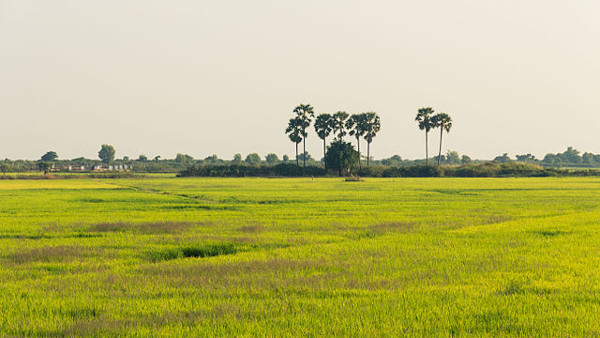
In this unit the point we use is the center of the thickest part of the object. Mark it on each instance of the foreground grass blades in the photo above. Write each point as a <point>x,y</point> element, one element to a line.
<point>214,257</point>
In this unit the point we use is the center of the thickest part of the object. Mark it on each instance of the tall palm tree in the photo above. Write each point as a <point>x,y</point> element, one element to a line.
<point>444,122</point>
<point>339,124</point>
<point>305,113</point>
<point>294,129</point>
<point>356,126</point>
<point>323,127</point>
<point>372,127</point>
<point>424,116</point>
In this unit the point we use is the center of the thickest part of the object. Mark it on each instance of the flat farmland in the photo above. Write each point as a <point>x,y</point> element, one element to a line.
<point>302,257</point>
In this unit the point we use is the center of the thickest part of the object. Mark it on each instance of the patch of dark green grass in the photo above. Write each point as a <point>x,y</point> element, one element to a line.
<point>23,236</point>
<point>550,233</point>
<point>252,228</point>
<point>92,200</point>
<point>197,207</point>
<point>452,192</point>
<point>82,313</point>
<point>55,269</point>
<point>513,288</point>
<point>196,251</point>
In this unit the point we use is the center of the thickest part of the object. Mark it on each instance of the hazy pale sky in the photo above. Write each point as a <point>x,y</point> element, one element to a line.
<point>205,77</point>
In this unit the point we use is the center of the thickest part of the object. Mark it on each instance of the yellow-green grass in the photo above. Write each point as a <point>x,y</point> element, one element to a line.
<point>301,257</point>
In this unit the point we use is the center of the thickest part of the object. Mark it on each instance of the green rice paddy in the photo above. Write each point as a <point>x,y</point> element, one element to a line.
<point>300,257</point>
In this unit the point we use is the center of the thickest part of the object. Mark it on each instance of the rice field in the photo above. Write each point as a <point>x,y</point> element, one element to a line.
<point>300,257</point>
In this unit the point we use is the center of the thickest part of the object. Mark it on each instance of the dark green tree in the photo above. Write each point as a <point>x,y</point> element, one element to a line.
<point>253,159</point>
<point>341,156</point>
<point>305,157</point>
<point>356,125</point>
<point>305,114</point>
<point>323,126</point>
<point>503,159</point>
<point>452,157</point>
<point>372,127</point>
<point>142,158</point>
<point>50,156</point>
<point>526,158</point>
<point>294,131</point>
<point>588,159</point>
<point>286,158</point>
<point>237,158</point>
<point>395,160</point>
<point>424,116</point>
<point>45,166</point>
<point>4,168</point>
<point>107,153</point>
<point>444,122</point>
<point>212,159</point>
<point>465,159</point>
<point>183,158</point>
<point>571,155</point>
<point>272,158</point>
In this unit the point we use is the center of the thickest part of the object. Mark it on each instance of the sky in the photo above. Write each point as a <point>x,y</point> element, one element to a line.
<point>222,77</point>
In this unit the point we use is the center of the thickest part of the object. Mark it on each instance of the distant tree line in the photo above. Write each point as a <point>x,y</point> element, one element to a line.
<point>486,169</point>
<point>339,157</point>
<point>569,158</point>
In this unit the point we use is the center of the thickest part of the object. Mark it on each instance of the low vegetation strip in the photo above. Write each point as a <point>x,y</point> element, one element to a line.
<point>490,169</point>
<point>66,176</point>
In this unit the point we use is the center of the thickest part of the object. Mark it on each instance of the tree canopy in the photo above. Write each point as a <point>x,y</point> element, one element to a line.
<point>341,156</point>
<point>49,156</point>
<point>107,153</point>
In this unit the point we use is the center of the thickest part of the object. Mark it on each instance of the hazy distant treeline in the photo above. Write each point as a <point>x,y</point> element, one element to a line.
<point>571,158</point>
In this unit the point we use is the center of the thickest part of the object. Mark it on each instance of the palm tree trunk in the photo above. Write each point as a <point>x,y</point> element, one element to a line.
<point>440,154</point>
<point>426,148</point>
<point>368,152</point>
<point>297,154</point>
<point>324,154</point>
<point>358,146</point>
<point>304,153</point>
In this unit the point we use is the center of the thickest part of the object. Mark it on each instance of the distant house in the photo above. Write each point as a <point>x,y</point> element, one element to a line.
<point>120,167</point>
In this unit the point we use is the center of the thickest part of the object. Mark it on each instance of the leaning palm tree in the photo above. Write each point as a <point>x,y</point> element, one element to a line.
<point>424,116</point>
<point>294,131</point>
<point>356,126</point>
<point>323,127</point>
<point>338,124</point>
<point>372,127</point>
<point>305,113</point>
<point>444,122</point>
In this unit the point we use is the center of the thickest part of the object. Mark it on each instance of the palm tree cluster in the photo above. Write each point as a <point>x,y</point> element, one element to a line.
<point>428,120</point>
<point>340,124</point>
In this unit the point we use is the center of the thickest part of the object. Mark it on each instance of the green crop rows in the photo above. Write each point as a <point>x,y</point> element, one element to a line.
<point>301,257</point>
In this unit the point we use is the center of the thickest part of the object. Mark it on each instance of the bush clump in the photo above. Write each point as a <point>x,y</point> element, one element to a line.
<point>488,169</point>
<point>240,170</point>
